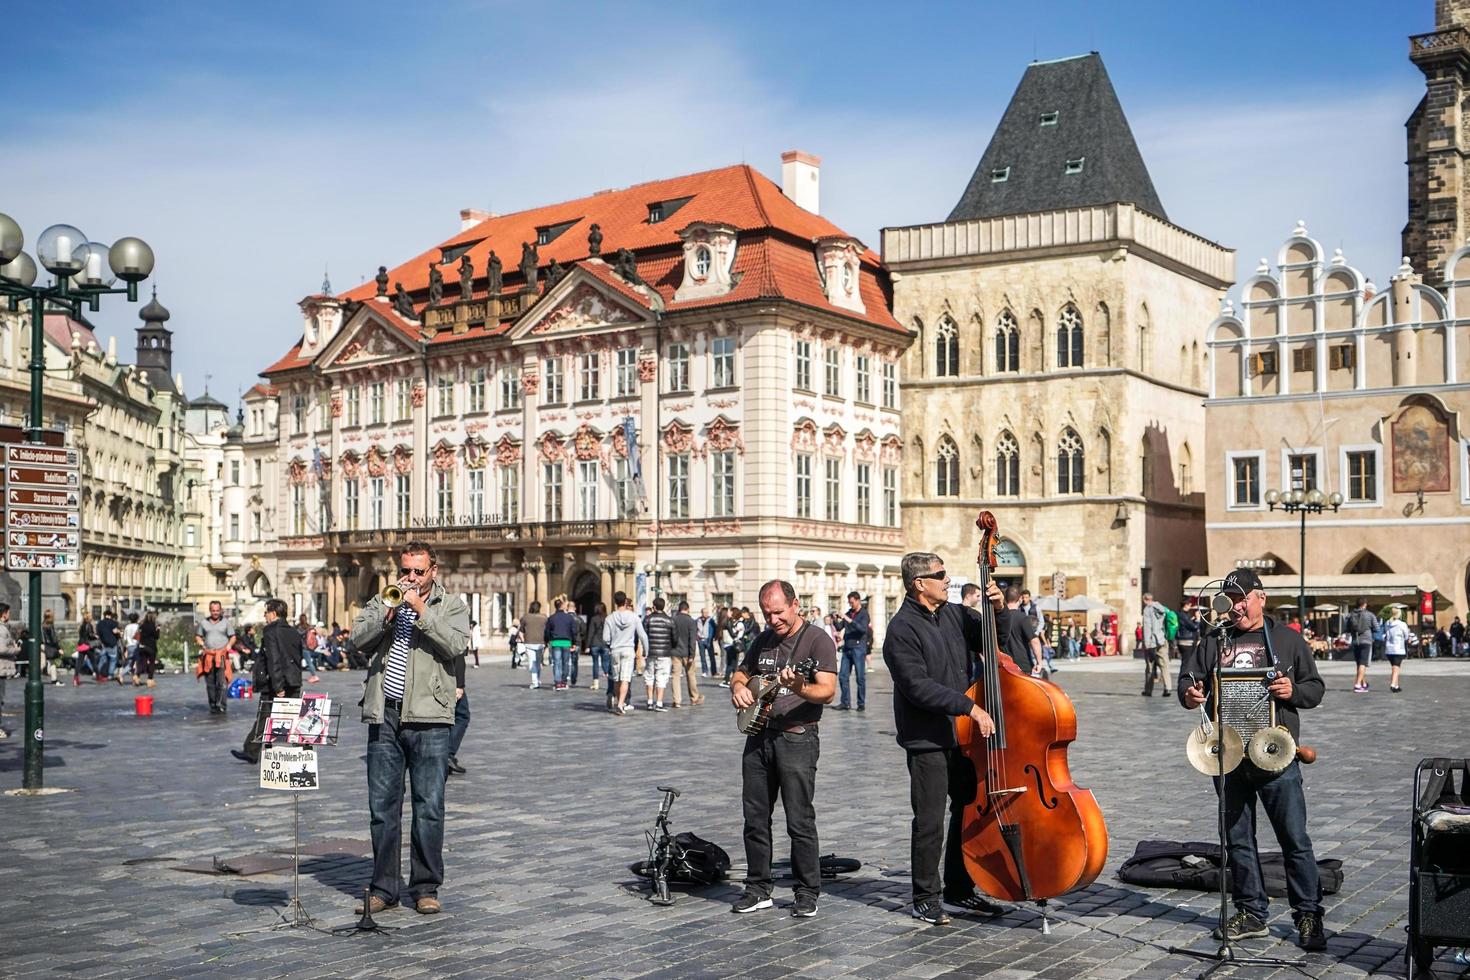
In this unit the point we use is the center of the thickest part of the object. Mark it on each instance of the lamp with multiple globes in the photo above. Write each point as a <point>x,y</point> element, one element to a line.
<point>1303,502</point>
<point>83,272</point>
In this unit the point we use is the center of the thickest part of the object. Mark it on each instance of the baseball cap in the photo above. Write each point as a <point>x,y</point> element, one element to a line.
<point>1242,581</point>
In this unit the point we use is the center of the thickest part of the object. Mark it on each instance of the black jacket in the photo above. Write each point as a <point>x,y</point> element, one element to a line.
<point>1293,658</point>
<point>686,636</point>
<point>928,655</point>
<point>278,662</point>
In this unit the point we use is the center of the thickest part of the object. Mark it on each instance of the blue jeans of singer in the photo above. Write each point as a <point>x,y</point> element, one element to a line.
<point>422,751</point>
<point>854,657</point>
<point>560,664</point>
<point>1281,796</point>
<point>601,661</point>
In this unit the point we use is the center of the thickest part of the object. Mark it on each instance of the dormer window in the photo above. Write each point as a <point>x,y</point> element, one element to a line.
<point>655,213</point>
<point>1000,176</point>
<point>547,234</point>
<point>1049,118</point>
<point>543,236</point>
<point>1074,166</point>
<point>847,277</point>
<point>838,259</point>
<point>709,260</point>
<point>664,210</point>
<point>702,259</point>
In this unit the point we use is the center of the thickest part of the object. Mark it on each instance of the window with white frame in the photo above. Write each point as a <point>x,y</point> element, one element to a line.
<point>474,484</point>
<point>350,505</point>
<point>722,483</point>
<point>510,386</point>
<point>864,493</point>
<point>475,391</point>
<point>444,496</point>
<point>679,485</point>
<point>804,365</point>
<point>832,370</point>
<point>403,498</point>
<point>551,484</point>
<point>1244,474</point>
<point>352,410</point>
<point>553,388</point>
<point>298,509</point>
<point>589,376</point>
<point>298,411</point>
<point>863,391</point>
<point>890,384</point>
<point>234,527</point>
<point>803,485</point>
<point>1361,476</point>
<point>890,496</point>
<point>403,400</point>
<point>1304,466</point>
<point>623,486</point>
<point>833,495</point>
<point>376,393</point>
<point>722,362</point>
<point>445,386</point>
<point>677,364</point>
<point>377,487</point>
<point>257,526</point>
<point>587,490</point>
<point>627,377</point>
<point>510,493</point>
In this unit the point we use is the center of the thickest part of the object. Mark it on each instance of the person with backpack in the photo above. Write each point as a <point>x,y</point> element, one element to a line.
<point>1365,630</point>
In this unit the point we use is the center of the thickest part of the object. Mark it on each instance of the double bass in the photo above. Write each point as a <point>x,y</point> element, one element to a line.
<point>1031,833</point>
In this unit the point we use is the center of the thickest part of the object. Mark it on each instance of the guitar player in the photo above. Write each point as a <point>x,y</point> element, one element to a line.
<point>782,759</point>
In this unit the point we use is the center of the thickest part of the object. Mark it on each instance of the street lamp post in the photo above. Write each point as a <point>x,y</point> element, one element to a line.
<point>1298,500</point>
<point>83,272</point>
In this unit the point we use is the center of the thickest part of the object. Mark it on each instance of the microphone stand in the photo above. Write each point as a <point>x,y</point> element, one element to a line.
<point>1224,955</point>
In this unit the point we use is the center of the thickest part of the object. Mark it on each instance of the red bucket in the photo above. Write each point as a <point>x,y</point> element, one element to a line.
<point>143,705</point>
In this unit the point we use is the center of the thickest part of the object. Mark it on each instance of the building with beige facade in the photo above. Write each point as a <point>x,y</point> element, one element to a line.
<point>1364,391</point>
<point>1059,372</point>
<point>688,386</point>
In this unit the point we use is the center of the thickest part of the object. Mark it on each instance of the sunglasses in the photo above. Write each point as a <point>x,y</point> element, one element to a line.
<point>939,576</point>
<point>405,572</point>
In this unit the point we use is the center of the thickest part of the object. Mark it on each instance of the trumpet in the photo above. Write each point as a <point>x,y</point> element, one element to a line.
<point>392,596</point>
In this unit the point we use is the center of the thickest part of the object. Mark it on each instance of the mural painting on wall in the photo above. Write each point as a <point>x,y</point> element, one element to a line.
<point>1421,451</point>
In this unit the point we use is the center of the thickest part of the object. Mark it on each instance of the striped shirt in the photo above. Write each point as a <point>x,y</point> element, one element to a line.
<point>395,669</point>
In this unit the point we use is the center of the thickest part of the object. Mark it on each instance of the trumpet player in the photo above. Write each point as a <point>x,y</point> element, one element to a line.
<point>1251,639</point>
<point>411,634</point>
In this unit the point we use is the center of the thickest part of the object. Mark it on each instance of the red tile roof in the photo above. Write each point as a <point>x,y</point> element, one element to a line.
<point>775,258</point>
<point>60,329</point>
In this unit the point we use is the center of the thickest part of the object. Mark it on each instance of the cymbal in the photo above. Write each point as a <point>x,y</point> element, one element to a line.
<point>1271,749</point>
<point>1204,751</point>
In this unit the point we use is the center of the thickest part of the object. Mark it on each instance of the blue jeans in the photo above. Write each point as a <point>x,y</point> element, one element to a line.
<point>107,662</point>
<point>854,657</point>
<point>707,657</point>
<point>560,664</point>
<point>532,654</point>
<point>601,662</point>
<point>423,752</point>
<point>1281,797</point>
<point>310,656</point>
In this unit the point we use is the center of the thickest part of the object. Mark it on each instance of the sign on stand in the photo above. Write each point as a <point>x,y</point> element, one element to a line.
<point>42,508</point>
<point>288,767</point>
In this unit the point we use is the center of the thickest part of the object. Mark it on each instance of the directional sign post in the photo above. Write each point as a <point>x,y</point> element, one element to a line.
<point>42,508</point>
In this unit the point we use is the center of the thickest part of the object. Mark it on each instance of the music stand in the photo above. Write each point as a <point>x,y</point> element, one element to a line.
<point>1224,955</point>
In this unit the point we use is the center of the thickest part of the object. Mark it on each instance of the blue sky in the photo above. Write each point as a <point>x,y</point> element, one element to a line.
<point>254,145</point>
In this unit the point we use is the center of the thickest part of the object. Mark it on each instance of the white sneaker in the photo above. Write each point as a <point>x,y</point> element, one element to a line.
<point>627,709</point>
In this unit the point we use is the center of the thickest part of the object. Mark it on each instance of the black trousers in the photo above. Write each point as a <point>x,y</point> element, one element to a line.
<point>262,716</point>
<point>461,724</point>
<point>214,684</point>
<point>935,776</point>
<point>784,764</point>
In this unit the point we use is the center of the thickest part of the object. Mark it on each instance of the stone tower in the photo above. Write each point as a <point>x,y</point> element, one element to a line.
<point>155,345</point>
<point>1439,137</point>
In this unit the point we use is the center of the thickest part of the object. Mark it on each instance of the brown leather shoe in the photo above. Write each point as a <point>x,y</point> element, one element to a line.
<point>428,905</point>
<point>378,903</point>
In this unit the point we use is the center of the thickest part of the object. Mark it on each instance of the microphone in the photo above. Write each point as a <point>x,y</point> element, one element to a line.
<point>1221,604</point>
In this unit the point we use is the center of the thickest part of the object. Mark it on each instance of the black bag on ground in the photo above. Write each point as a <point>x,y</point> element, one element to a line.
<point>704,861</point>
<point>1196,865</point>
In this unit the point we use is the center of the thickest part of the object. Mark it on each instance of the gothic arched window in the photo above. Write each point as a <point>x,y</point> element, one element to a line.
<point>1007,466</point>
<point>946,349</point>
<point>1007,343</point>
<point>1069,338</point>
<point>947,469</point>
<point>1069,462</point>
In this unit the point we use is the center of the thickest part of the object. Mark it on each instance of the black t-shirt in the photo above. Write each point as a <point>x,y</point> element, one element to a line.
<point>1245,651</point>
<point>107,631</point>
<point>1019,631</point>
<point>769,653</point>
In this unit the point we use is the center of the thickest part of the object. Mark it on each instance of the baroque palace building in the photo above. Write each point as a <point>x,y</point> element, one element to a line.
<point>685,387</point>
<point>1060,370</point>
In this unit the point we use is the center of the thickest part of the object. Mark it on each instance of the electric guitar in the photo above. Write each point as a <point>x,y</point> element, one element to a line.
<point>766,688</point>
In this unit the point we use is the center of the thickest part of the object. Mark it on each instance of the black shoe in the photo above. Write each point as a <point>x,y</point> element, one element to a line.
<point>455,767</point>
<point>1165,694</point>
<point>1147,694</point>
<point>931,912</point>
<point>751,902</point>
<point>862,707</point>
<point>841,707</point>
<point>805,907</point>
<point>243,757</point>
<point>1241,925</point>
<point>1309,932</point>
<point>973,905</point>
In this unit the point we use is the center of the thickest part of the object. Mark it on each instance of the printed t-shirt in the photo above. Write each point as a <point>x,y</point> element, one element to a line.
<point>769,653</point>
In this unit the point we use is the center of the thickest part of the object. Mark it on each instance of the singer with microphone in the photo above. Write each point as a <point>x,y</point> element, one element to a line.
<point>1244,637</point>
<point>412,635</point>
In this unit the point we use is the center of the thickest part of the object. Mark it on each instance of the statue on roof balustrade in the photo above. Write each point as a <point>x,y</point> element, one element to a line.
<point>466,276</point>
<point>402,305</point>
<point>493,270</point>
<point>436,285</point>
<point>529,261</point>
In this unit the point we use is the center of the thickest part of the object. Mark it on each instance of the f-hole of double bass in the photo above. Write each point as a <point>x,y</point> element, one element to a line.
<point>1049,802</point>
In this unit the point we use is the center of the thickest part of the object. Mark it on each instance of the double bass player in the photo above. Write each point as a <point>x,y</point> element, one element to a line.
<point>928,652</point>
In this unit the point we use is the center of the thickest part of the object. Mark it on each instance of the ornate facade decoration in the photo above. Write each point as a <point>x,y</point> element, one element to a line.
<point>445,457</point>
<point>678,438</point>
<point>804,437</point>
<point>647,368</point>
<point>402,459</point>
<point>620,442</point>
<point>585,306</point>
<point>377,462</point>
<point>552,449</point>
<point>336,406</point>
<point>507,451</point>
<point>419,395</point>
<point>351,466</point>
<point>891,451</point>
<point>587,443</point>
<point>834,440</point>
<point>476,453</point>
<point>530,382</point>
<point>722,434</point>
<point>865,446</point>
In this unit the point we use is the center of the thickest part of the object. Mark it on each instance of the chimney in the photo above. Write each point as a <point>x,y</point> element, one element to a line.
<point>801,177</point>
<point>469,217</point>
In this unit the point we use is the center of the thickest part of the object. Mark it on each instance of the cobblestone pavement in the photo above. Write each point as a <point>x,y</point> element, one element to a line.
<point>542,830</point>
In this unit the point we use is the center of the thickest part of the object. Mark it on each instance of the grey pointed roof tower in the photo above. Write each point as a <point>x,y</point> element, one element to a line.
<point>155,345</point>
<point>1063,142</point>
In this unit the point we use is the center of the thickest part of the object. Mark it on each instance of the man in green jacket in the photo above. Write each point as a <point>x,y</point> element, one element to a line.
<point>408,706</point>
